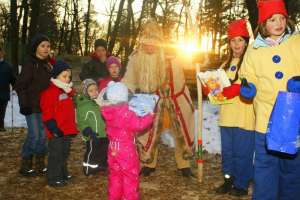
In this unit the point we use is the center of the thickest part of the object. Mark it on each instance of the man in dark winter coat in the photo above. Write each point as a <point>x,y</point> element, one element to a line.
<point>34,78</point>
<point>96,68</point>
<point>7,78</point>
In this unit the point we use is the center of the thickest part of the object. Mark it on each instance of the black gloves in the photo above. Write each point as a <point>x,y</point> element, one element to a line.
<point>88,132</point>
<point>52,127</point>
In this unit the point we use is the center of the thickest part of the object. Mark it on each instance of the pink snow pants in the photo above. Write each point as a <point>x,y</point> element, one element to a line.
<point>124,167</point>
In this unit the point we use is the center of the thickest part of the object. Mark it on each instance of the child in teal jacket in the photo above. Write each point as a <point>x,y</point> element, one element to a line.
<point>92,127</point>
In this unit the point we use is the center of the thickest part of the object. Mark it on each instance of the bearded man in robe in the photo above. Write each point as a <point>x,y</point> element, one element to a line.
<point>154,69</point>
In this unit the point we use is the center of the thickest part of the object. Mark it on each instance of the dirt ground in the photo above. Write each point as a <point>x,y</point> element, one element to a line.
<point>165,184</point>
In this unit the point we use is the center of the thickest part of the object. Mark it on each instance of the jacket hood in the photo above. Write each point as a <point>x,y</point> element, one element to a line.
<point>81,100</point>
<point>113,114</point>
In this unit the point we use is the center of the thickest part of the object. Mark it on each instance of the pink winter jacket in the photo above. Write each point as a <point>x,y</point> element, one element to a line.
<point>122,124</point>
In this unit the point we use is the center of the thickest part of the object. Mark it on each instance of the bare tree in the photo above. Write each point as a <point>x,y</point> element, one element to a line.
<point>14,30</point>
<point>116,27</point>
<point>87,28</point>
<point>34,16</point>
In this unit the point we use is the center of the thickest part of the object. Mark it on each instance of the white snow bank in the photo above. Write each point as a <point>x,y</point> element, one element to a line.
<point>13,116</point>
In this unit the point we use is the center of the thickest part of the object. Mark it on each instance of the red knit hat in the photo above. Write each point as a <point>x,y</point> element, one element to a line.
<point>267,8</point>
<point>237,28</point>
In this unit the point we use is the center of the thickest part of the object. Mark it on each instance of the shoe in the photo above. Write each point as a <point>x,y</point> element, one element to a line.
<point>26,167</point>
<point>238,192</point>
<point>147,171</point>
<point>186,172</point>
<point>40,166</point>
<point>226,186</point>
<point>68,178</point>
<point>58,184</point>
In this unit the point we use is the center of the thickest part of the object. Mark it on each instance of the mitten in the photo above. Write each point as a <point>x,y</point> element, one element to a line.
<point>293,85</point>
<point>248,90</point>
<point>231,91</point>
<point>53,128</point>
<point>88,132</point>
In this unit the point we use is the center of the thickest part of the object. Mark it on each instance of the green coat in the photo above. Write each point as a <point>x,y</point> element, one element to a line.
<point>88,115</point>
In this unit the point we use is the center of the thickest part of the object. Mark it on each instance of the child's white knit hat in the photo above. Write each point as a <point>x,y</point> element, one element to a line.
<point>116,92</point>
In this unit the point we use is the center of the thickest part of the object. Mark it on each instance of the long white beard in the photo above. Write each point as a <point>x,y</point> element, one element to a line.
<point>151,71</point>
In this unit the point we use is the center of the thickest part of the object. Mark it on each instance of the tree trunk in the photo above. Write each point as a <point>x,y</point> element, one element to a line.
<point>116,27</point>
<point>34,16</point>
<point>14,30</point>
<point>25,22</point>
<point>136,32</point>
<point>77,25</point>
<point>62,29</point>
<point>153,9</point>
<point>87,24</point>
<point>111,14</point>
<point>253,14</point>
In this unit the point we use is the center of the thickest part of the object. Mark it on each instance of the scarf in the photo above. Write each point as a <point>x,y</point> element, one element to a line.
<point>67,87</point>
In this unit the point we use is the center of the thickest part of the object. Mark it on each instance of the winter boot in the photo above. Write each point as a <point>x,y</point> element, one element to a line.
<point>147,171</point>
<point>226,186</point>
<point>238,192</point>
<point>26,167</point>
<point>40,166</point>
<point>186,172</point>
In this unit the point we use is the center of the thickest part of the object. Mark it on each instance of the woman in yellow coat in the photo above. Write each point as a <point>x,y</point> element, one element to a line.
<point>270,62</point>
<point>236,120</point>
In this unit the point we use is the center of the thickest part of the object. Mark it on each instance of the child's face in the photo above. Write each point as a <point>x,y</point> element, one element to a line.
<point>65,76</point>
<point>238,45</point>
<point>114,70</point>
<point>100,53</point>
<point>43,50</point>
<point>275,26</point>
<point>92,91</point>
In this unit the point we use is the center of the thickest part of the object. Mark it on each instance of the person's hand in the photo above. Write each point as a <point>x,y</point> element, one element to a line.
<point>293,85</point>
<point>25,111</point>
<point>87,132</point>
<point>248,90</point>
<point>53,128</point>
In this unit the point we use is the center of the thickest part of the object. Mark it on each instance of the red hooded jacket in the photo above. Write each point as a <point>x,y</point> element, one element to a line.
<point>58,105</point>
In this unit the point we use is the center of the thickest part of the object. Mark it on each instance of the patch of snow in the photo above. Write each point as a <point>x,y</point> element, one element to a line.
<point>13,116</point>
<point>210,130</point>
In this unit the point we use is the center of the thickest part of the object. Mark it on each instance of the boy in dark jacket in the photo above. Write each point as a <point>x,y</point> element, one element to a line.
<point>34,78</point>
<point>91,124</point>
<point>58,114</point>
<point>95,68</point>
<point>7,78</point>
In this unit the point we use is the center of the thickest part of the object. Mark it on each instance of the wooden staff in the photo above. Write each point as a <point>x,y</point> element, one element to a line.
<point>200,160</point>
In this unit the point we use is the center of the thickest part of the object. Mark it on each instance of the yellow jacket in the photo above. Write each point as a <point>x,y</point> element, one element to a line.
<point>269,68</point>
<point>240,113</point>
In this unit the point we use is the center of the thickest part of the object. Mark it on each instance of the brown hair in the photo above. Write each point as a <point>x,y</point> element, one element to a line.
<point>261,28</point>
<point>230,57</point>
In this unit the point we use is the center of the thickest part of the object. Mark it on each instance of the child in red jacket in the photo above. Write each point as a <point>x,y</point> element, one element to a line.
<point>58,115</point>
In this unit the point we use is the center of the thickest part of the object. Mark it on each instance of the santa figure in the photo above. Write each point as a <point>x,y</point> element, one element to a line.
<point>154,69</point>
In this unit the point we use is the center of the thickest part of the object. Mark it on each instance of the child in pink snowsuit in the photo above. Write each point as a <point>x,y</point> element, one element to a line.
<point>122,125</point>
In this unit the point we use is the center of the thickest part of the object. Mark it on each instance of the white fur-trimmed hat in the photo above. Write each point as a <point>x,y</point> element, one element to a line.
<point>116,92</point>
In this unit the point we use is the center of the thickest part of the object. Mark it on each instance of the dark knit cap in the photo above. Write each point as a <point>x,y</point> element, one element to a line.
<point>59,67</point>
<point>100,43</point>
<point>37,40</point>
